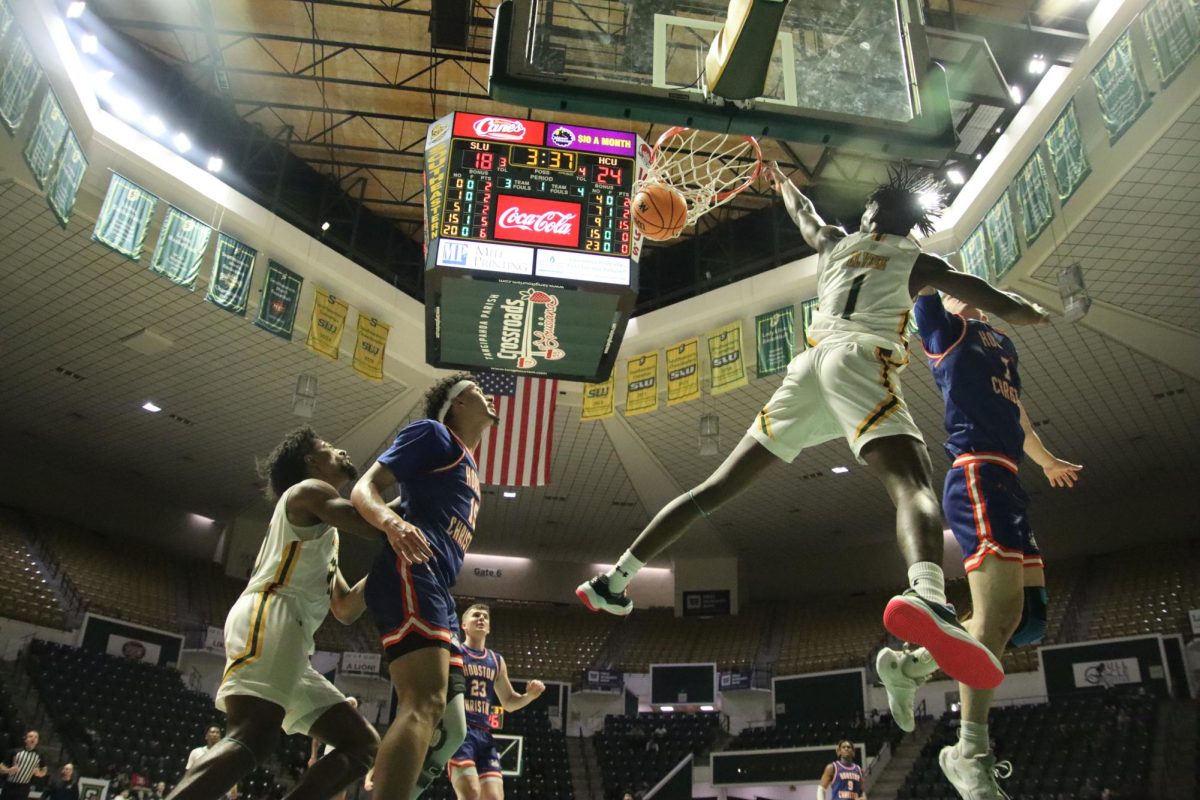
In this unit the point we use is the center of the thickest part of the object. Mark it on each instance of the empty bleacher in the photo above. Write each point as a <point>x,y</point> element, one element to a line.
<point>657,636</point>
<point>24,593</point>
<point>545,640</point>
<point>802,733</point>
<point>1147,590</point>
<point>635,752</point>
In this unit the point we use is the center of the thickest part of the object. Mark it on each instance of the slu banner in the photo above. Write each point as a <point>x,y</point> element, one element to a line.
<point>1119,88</point>
<point>728,367</point>
<point>775,337</point>
<point>1002,237</point>
<point>125,217</point>
<point>67,178</point>
<point>598,399</point>
<point>182,241</point>
<point>1173,31</point>
<point>17,83</point>
<point>1068,159</point>
<point>360,663</point>
<point>229,286</point>
<point>683,371</point>
<point>807,307</point>
<point>738,679</point>
<point>974,254</point>
<point>603,680</point>
<point>327,324</point>
<point>1033,197</point>
<point>277,305</point>
<point>641,373</point>
<point>370,347</point>
<point>46,140</point>
<point>1106,664</point>
<point>130,641</point>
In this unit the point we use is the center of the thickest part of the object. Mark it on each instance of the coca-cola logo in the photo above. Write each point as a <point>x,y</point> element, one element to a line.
<point>509,130</point>
<point>547,222</point>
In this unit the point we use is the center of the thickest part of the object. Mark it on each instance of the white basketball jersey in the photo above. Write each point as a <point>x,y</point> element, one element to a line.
<point>298,563</point>
<point>862,289</point>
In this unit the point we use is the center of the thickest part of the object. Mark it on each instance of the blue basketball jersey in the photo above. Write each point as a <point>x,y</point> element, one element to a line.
<point>975,368</point>
<point>847,782</point>
<point>439,484</point>
<point>481,668</point>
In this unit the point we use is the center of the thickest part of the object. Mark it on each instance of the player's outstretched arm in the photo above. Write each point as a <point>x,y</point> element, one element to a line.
<point>367,497</point>
<point>802,211</point>
<point>826,781</point>
<point>1058,472</point>
<point>931,271</point>
<point>347,602</point>
<point>315,500</point>
<point>510,698</point>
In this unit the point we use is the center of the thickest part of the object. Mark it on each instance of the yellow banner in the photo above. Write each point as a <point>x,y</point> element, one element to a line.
<point>328,322</point>
<point>368,350</point>
<point>683,371</point>
<point>641,372</point>
<point>726,358</point>
<point>598,399</point>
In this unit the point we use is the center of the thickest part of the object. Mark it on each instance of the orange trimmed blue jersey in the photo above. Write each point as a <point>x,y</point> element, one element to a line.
<point>847,781</point>
<point>481,668</point>
<point>975,369</point>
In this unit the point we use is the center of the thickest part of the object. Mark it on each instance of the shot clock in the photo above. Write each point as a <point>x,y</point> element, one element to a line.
<point>531,252</point>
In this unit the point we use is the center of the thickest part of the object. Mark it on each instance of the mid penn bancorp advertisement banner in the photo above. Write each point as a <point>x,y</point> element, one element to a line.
<point>1105,665</point>
<point>126,640</point>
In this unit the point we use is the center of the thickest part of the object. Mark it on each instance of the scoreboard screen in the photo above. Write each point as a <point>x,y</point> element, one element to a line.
<point>531,252</point>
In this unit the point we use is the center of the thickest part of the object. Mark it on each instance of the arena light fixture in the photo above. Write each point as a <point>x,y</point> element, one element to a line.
<point>956,177</point>
<point>203,520</point>
<point>509,495</point>
<point>155,126</point>
<point>1037,64</point>
<point>215,163</point>
<point>182,142</point>
<point>324,226</point>
<point>929,199</point>
<point>151,407</point>
<point>102,76</point>
<point>75,9</point>
<point>840,470</point>
<point>707,708</point>
<point>1015,93</point>
<point>89,44</point>
<point>667,709</point>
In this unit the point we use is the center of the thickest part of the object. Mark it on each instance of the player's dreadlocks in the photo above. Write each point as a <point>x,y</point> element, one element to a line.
<point>912,198</point>
<point>285,467</point>
<point>435,398</point>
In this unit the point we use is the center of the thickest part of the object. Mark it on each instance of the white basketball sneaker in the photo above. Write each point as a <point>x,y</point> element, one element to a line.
<point>901,689</point>
<point>974,778</point>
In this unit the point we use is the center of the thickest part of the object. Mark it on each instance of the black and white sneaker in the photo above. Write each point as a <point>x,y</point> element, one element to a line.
<point>935,627</point>
<point>596,595</point>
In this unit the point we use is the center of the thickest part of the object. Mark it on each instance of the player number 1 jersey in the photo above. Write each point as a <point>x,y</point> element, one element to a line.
<point>862,289</point>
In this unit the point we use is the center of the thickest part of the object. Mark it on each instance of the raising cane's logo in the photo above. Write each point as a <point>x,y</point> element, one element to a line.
<point>528,219</point>
<point>508,130</point>
<point>527,329</point>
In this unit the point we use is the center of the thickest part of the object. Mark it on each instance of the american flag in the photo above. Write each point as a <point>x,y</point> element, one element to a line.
<point>516,451</point>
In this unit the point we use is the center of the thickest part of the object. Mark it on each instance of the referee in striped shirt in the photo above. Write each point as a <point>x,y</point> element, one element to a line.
<point>25,765</point>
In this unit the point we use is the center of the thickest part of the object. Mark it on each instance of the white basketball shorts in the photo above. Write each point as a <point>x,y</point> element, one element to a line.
<point>266,656</point>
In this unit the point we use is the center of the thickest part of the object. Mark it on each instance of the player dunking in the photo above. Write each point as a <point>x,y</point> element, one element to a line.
<point>475,768</point>
<point>842,779</point>
<point>847,384</point>
<point>269,682</point>
<point>975,367</point>
<point>409,594</point>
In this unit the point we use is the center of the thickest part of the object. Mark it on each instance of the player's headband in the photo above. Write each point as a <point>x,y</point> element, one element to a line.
<point>454,392</point>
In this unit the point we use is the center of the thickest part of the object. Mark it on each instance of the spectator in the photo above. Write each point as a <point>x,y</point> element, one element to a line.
<point>212,735</point>
<point>25,764</point>
<point>159,792</point>
<point>66,787</point>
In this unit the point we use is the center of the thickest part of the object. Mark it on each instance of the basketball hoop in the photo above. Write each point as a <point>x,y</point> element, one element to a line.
<point>708,169</point>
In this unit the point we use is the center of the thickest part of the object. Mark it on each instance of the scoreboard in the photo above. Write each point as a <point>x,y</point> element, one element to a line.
<point>531,252</point>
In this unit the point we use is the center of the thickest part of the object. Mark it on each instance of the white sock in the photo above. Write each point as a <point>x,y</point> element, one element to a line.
<point>620,575</point>
<point>918,664</point>
<point>973,739</point>
<point>927,580</point>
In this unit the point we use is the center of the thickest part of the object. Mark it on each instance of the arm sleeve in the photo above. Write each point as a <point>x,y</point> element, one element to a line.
<point>420,447</point>
<point>938,329</point>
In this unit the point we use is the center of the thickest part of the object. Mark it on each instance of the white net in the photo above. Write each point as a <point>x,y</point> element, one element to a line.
<point>706,168</point>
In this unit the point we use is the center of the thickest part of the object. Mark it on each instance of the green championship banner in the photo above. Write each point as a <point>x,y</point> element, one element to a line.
<point>125,217</point>
<point>65,184</point>
<point>975,252</point>
<point>41,153</point>
<point>1068,159</point>
<point>327,324</point>
<point>641,375</point>
<point>6,18</point>
<point>17,83</point>
<point>1002,237</point>
<point>369,348</point>
<point>598,399</point>
<point>278,302</point>
<point>683,371</point>
<point>233,268</point>
<point>1033,197</point>
<point>1173,31</point>
<point>1119,88</point>
<point>181,245</point>
<point>807,307</point>
<point>725,358</point>
<point>775,338</point>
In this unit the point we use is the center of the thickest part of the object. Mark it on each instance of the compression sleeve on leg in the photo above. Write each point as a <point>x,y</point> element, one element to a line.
<point>448,737</point>
<point>1033,617</point>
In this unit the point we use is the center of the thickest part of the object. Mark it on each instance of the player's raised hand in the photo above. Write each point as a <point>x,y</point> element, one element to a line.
<point>407,540</point>
<point>775,176</point>
<point>1062,474</point>
<point>535,688</point>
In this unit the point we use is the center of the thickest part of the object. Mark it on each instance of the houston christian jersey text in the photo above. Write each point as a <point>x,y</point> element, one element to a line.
<point>480,669</point>
<point>847,782</point>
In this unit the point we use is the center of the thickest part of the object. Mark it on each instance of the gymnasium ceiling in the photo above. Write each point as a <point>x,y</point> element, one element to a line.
<point>72,390</point>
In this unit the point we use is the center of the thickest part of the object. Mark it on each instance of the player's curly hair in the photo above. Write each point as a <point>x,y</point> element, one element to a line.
<point>284,468</point>
<point>911,198</point>
<point>436,396</point>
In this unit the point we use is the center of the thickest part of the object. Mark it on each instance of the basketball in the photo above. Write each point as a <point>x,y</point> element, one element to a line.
<point>660,212</point>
